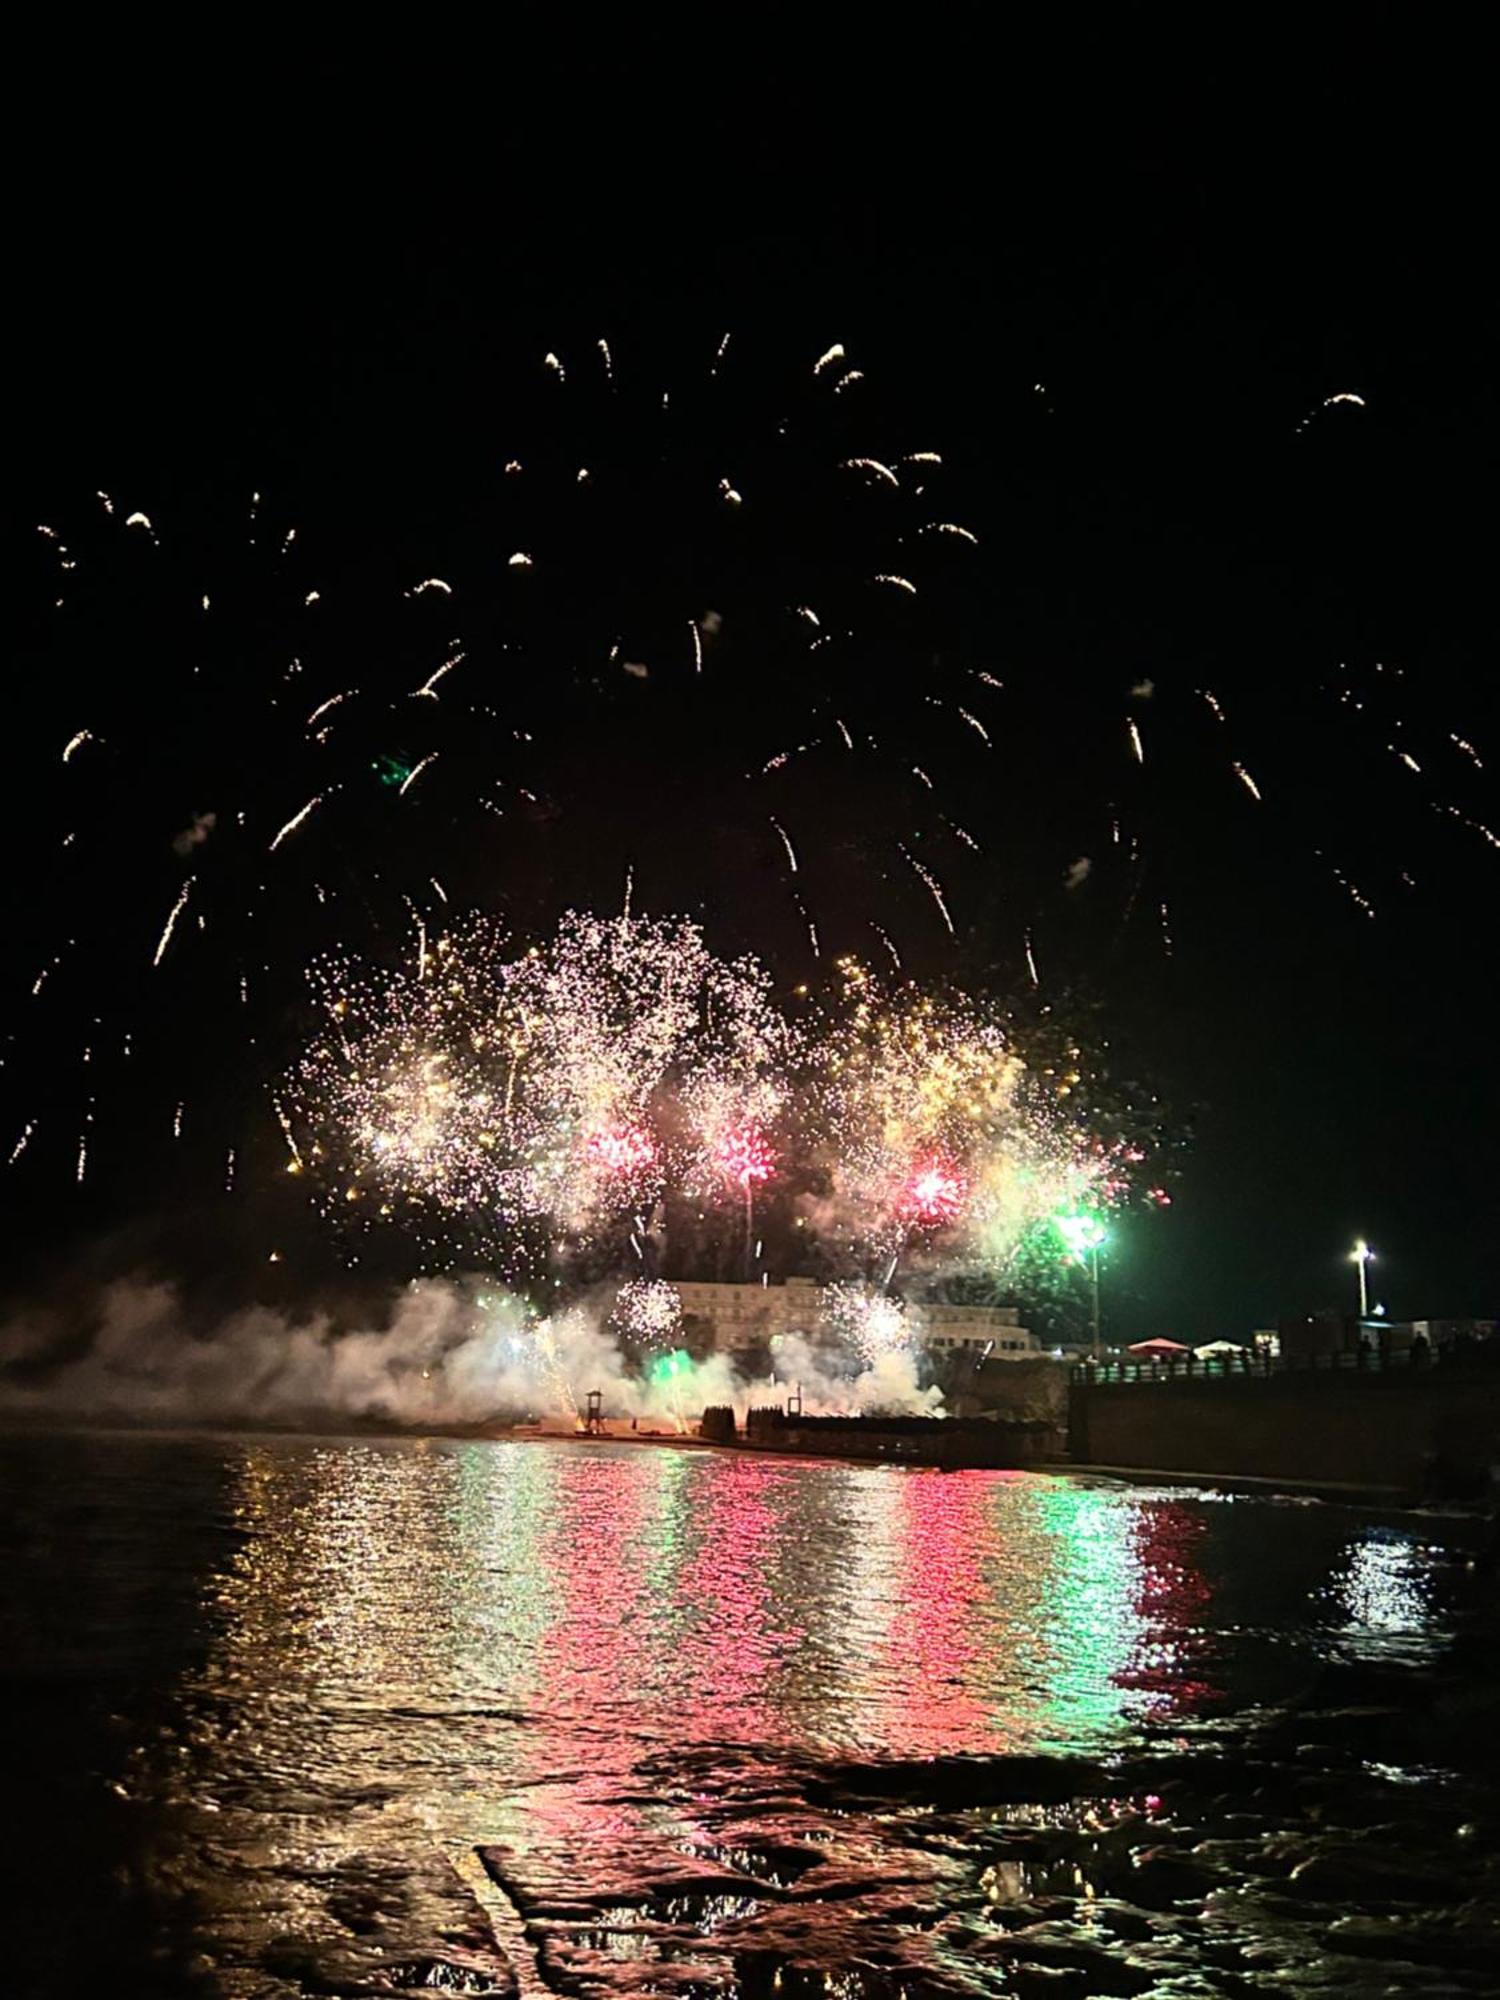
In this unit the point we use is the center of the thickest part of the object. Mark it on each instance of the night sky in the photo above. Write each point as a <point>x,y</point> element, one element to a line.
<point>329,278</point>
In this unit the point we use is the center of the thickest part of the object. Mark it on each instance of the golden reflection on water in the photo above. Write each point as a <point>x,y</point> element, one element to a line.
<point>618,1594</point>
<point>420,1648</point>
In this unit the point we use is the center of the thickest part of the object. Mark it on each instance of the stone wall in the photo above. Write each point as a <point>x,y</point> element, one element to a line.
<point>1412,1431</point>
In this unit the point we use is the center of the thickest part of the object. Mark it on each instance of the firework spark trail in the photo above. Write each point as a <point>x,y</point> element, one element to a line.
<point>1475,826</point>
<point>933,885</point>
<point>171,924</point>
<point>414,773</point>
<point>295,821</point>
<point>783,665</point>
<point>324,706</point>
<point>1248,782</point>
<point>429,686</point>
<point>791,854</point>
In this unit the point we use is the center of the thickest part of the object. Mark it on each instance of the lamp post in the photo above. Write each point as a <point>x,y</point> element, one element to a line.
<point>1363,1256</point>
<point>1085,1236</point>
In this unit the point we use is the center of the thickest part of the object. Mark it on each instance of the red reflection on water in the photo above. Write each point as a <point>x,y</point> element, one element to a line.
<point>1172,1595</point>
<point>592,1649</point>
<point>733,1642</point>
<point>932,1640</point>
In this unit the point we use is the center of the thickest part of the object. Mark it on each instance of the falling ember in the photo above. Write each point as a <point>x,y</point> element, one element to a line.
<point>75,743</point>
<point>286,1132</point>
<point>21,1144</point>
<point>1135,743</point>
<point>429,686</point>
<point>1247,781</point>
<point>324,706</point>
<point>171,924</point>
<point>295,821</point>
<point>1475,826</point>
<point>872,466</point>
<point>934,888</point>
<point>414,773</point>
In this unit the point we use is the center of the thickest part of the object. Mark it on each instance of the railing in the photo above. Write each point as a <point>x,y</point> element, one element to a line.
<point>1242,1367</point>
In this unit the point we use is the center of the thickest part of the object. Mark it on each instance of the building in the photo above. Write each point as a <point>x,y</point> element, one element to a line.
<point>986,1332</point>
<point>731,1317</point>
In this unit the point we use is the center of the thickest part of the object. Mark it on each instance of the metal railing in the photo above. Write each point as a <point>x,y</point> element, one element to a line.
<point>1248,1366</point>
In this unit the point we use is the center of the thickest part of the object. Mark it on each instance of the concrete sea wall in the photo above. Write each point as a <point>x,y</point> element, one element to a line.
<point>1433,1431</point>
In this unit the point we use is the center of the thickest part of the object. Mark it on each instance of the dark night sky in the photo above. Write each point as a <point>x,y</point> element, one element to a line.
<point>271,266</point>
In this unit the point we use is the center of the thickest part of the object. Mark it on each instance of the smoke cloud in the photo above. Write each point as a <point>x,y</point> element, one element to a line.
<point>450,1352</point>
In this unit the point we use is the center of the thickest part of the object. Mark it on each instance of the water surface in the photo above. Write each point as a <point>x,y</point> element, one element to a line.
<point>294,1716</point>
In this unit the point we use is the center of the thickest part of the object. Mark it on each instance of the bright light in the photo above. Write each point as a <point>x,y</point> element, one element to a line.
<point>621,1150</point>
<point>1081,1233</point>
<point>743,1155</point>
<point>934,1193</point>
<point>1361,1253</point>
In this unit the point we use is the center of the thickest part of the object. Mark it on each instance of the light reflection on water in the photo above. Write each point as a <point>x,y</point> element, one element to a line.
<point>632,1593</point>
<point>639,1593</point>
<point>413,1649</point>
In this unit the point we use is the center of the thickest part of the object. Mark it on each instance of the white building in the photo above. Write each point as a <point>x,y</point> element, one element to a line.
<point>986,1332</point>
<point>742,1315</point>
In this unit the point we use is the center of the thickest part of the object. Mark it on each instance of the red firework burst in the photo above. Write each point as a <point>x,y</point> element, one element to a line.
<point>743,1156</point>
<point>933,1193</point>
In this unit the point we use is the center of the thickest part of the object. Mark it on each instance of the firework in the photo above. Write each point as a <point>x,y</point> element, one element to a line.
<point>526,748</point>
<point>934,1194</point>
<point>744,1158</point>
<point>494,1102</point>
<point>721,639</point>
<point>865,1320</point>
<point>647,1314</point>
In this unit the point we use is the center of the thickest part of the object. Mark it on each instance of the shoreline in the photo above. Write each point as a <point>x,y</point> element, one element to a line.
<point>1385,1499</point>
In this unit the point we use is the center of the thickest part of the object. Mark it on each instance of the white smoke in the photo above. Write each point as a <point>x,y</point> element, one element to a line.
<point>194,835</point>
<point>451,1352</point>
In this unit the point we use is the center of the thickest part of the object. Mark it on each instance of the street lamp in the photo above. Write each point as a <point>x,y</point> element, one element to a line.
<point>1085,1236</point>
<point>1363,1256</point>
